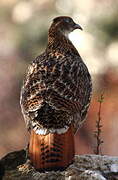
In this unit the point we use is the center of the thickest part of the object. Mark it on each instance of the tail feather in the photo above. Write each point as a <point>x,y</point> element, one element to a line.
<point>51,151</point>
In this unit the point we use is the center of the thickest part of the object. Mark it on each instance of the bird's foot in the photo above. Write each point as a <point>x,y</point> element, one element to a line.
<point>26,167</point>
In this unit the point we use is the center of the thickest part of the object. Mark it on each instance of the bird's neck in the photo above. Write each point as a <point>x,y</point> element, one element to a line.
<point>59,42</point>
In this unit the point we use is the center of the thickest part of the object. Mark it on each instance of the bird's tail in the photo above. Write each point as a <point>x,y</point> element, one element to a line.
<point>51,151</point>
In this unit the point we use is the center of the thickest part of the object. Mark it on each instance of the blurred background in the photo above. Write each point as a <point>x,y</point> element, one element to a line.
<point>23,36</point>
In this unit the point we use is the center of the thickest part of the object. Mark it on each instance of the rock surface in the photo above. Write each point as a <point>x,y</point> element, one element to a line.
<point>85,167</point>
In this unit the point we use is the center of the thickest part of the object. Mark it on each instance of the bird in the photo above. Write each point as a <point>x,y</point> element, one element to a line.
<point>55,98</point>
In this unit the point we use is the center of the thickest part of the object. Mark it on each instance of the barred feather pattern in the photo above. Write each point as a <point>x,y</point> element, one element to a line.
<point>56,92</point>
<point>55,98</point>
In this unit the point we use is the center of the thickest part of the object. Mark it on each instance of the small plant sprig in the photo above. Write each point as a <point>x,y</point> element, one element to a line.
<point>97,133</point>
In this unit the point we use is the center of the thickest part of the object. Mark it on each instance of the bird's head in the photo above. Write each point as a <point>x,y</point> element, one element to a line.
<point>65,24</point>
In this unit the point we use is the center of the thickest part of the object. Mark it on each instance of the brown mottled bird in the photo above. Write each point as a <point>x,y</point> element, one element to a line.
<point>55,98</point>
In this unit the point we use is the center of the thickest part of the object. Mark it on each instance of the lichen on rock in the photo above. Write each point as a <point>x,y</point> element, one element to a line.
<point>84,167</point>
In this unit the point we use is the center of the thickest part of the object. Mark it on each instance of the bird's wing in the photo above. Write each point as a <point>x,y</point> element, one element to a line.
<point>63,83</point>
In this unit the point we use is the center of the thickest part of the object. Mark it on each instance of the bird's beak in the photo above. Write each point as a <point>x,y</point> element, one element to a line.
<point>77,26</point>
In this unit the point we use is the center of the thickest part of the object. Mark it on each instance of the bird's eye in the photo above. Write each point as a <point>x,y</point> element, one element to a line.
<point>68,20</point>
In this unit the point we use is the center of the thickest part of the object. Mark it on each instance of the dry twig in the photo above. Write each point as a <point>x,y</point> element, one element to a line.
<point>97,133</point>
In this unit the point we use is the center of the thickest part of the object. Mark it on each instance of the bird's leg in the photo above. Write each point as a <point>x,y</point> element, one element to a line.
<point>26,149</point>
<point>27,157</point>
<point>27,165</point>
<point>28,161</point>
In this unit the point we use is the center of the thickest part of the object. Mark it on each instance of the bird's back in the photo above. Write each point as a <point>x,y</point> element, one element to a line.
<point>56,87</point>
